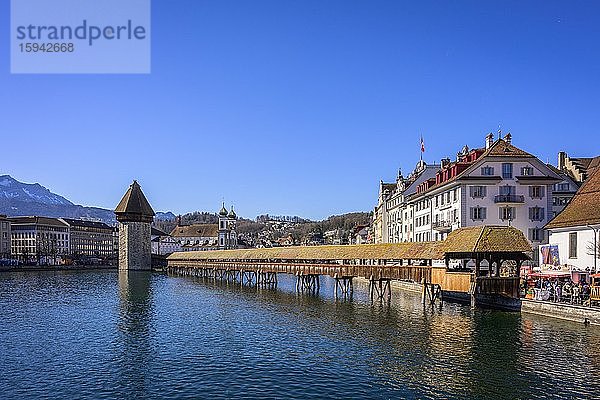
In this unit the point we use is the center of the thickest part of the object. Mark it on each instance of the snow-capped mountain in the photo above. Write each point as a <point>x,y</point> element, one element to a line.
<point>13,190</point>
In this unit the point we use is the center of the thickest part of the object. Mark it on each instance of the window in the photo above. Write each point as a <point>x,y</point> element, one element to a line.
<point>507,213</point>
<point>536,192</point>
<point>573,245</point>
<point>561,187</point>
<point>536,213</point>
<point>455,195</point>
<point>478,191</point>
<point>527,171</point>
<point>487,171</point>
<point>536,234</point>
<point>507,171</point>
<point>478,213</point>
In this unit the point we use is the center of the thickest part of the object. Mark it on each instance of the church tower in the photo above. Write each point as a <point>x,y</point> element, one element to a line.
<point>227,229</point>
<point>134,215</point>
<point>232,217</point>
<point>223,228</point>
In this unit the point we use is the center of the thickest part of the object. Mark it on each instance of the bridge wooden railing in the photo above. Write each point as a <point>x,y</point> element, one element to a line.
<point>389,271</point>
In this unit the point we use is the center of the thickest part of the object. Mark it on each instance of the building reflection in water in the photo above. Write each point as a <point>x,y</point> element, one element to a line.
<point>134,333</point>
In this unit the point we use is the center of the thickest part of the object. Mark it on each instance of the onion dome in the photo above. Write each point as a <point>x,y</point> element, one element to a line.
<point>223,211</point>
<point>232,213</point>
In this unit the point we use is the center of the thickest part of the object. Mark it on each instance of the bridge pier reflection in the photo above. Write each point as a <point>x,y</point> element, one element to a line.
<point>380,289</point>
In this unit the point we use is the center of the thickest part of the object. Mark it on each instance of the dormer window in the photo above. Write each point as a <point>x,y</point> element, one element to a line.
<point>487,171</point>
<point>527,171</point>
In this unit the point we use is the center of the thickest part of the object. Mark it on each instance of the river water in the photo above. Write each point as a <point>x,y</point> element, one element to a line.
<point>105,335</point>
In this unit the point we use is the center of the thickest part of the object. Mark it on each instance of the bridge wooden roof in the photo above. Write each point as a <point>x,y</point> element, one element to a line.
<point>480,239</point>
<point>389,251</point>
<point>487,239</point>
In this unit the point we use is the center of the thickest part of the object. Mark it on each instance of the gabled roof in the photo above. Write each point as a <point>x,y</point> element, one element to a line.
<point>196,230</point>
<point>134,206</point>
<point>584,207</point>
<point>501,148</point>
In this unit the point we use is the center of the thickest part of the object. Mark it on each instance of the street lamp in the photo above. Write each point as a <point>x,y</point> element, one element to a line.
<point>595,230</point>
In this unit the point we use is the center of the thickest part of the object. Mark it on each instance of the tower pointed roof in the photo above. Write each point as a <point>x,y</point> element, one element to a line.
<point>134,206</point>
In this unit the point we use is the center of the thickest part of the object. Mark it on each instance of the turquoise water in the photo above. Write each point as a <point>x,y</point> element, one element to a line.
<point>101,335</point>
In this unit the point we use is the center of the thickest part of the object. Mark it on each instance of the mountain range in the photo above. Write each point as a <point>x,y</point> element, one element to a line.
<point>18,199</point>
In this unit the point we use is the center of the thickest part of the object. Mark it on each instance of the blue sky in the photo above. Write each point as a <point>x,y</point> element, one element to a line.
<point>302,107</point>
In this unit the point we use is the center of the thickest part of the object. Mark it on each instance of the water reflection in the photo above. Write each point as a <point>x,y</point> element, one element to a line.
<point>134,331</point>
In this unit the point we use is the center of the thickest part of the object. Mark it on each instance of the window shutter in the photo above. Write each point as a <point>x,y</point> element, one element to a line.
<point>483,191</point>
<point>471,191</point>
<point>531,191</point>
<point>500,213</point>
<point>542,191</point>
<point>531,213</point>
<point>472,212</point>
<point>530,234</point>
<point>542,216</point>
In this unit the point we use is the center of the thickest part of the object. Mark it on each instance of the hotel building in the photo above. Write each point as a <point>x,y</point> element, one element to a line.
<point>498,184</point>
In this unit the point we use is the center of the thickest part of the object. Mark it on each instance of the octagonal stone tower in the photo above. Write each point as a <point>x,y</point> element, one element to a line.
<point>134,215</point>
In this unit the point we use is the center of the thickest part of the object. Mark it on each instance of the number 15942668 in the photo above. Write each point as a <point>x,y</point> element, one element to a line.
<point>47,47</point>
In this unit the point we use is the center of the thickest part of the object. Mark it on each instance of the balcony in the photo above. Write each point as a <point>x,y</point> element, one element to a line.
<point>509,198</point>
<point>442,226</point>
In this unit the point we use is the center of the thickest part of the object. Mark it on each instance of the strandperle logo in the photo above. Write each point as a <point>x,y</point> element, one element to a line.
<point>85,31</point>
<point>80,36</point>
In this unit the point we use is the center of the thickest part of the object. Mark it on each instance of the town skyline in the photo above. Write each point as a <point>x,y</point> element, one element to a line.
<point>278,121</point>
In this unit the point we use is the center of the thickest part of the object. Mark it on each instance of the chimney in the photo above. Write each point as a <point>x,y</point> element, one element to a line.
<point>508,138</point>
<point>562,160</point>
<point>445,162</point>
<point>489,140</point>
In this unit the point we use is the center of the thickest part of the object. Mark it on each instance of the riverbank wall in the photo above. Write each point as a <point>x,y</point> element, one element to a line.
<point>569,312</point>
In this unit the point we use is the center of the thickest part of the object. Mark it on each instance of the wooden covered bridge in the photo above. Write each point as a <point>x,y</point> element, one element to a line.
<point>486,246</point>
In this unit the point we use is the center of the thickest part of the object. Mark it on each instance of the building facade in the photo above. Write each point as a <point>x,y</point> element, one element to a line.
<point>5,237</point>
<point>163,243</point>
<point>39,239</point>
<point>574,235</point>
<point>196,237</point>
<point>90,239</point>
<point>498,184</point>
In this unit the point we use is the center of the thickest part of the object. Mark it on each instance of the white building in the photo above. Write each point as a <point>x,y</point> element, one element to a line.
<point>4,237</point>
<point>197,237</point>
<point>163,243</point>
<point>498,184</point>
<point>40,239</point>
<point>574,232</point>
